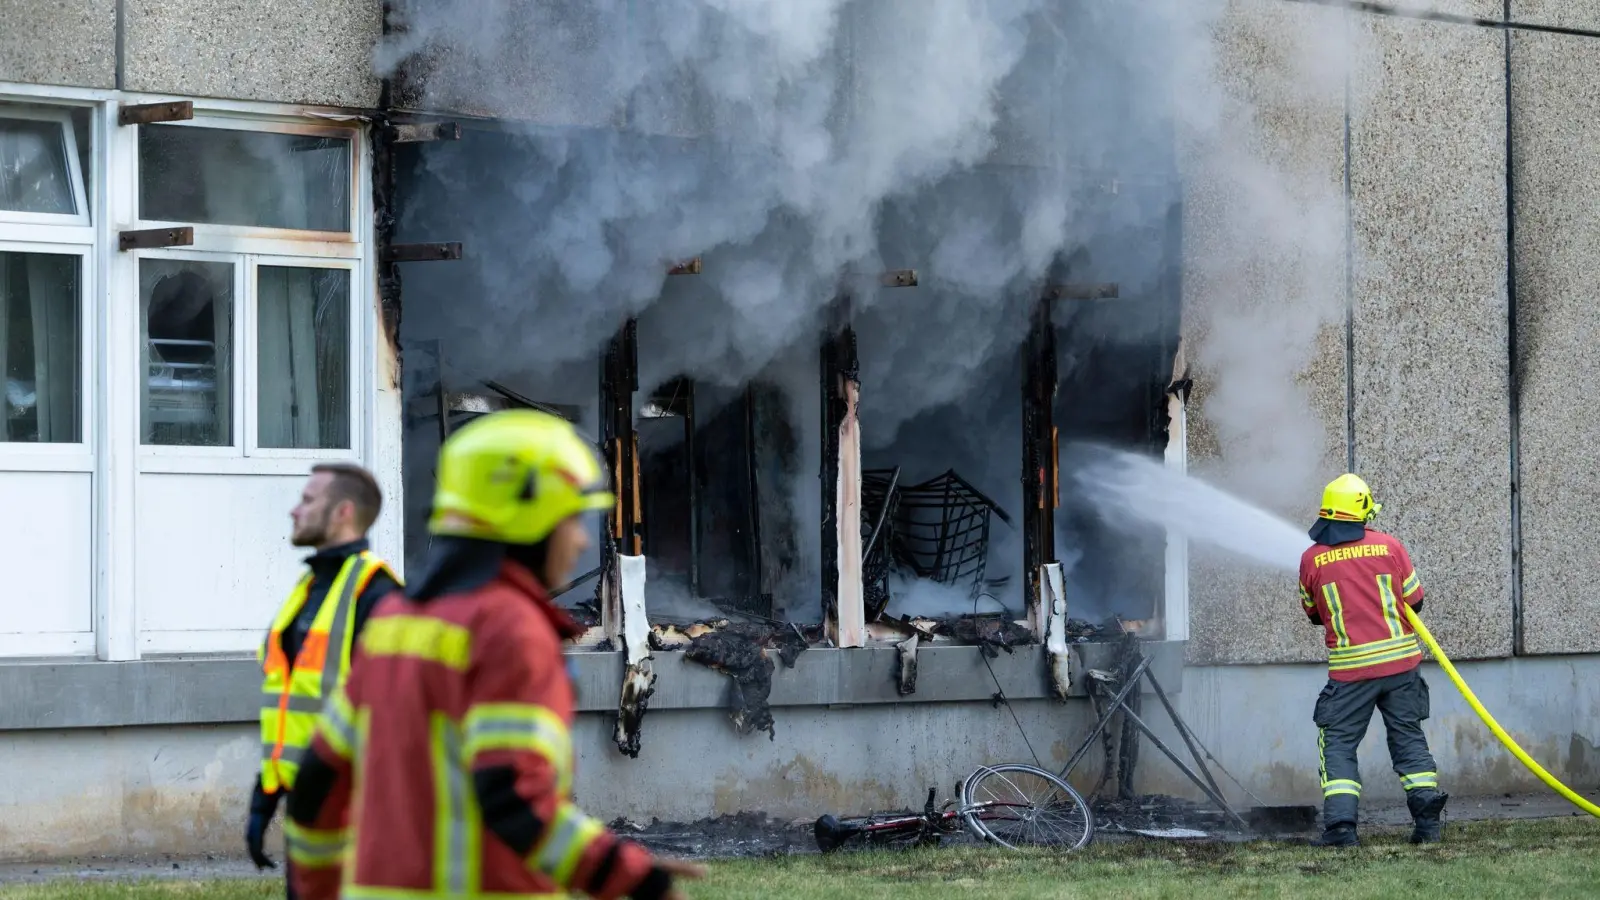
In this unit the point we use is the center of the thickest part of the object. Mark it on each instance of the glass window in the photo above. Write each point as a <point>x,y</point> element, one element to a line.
<point>303,373</point>
<point>41,347</point>
<point>218,176</point>
<point>187,334</point>
<point>36,173</point>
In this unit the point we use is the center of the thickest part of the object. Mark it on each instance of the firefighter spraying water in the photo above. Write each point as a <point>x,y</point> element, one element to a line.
<point>1353,580</point>
<point>1361,587</point>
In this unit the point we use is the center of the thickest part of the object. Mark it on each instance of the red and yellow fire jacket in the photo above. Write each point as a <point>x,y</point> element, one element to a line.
<point>444,766</point>
<point>1355,590</point>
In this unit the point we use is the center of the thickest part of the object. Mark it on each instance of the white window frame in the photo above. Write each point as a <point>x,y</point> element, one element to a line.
<point>271,241</point>
<point>252,345</point>
<point>59,457</point>
<point>61,235</point>
<point>250,247</point>
<point>112,402</point>
<point>235,444</point>
<point>61,115</point>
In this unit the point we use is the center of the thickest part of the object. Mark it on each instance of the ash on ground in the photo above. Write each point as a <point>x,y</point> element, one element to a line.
<point>740,834</point>
<point>1157,813</point>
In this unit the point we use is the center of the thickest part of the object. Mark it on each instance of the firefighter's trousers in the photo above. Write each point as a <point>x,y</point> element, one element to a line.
<point>1342,714</point>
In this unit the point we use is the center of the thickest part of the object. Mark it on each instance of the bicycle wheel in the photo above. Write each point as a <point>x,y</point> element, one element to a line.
<point>1020,805</point>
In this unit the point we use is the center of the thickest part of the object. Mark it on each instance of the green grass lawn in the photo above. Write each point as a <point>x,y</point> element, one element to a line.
<point>1528,859</point>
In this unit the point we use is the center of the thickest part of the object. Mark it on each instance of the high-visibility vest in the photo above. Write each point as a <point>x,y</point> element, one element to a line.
<point>292,696</point>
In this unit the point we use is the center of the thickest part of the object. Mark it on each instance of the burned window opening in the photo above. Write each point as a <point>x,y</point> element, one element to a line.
<point>1114,361</point>
<point>701,515</point>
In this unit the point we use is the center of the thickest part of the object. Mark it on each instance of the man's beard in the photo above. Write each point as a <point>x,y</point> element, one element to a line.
<point>311,535</point>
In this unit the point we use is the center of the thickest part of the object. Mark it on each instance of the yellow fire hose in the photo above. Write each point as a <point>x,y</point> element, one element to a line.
<point>1534,767</point>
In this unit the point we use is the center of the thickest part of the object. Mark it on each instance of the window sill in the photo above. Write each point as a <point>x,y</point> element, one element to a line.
<point>222,689</point>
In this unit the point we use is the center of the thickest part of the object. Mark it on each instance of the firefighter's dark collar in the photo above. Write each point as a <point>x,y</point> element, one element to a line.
<point>1331,533</point>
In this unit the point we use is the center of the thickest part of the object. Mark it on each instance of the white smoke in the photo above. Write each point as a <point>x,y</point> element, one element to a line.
<point>1132,493</point>
<point>802,147</point>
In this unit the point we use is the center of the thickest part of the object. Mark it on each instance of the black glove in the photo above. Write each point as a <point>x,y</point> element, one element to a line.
<point>262,807</point>
<point>656,884</point>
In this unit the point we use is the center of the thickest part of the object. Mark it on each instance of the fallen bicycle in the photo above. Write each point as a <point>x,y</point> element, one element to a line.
<point>1015,806</point>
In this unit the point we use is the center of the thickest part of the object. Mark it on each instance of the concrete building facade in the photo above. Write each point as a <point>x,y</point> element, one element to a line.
<point>203,200</point>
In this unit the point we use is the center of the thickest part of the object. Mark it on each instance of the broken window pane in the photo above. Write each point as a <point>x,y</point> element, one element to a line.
<point>303,353</point>
<point>218,176</point>
<point>36,175</point>
<point>187,334</point>
<point>40,347</point>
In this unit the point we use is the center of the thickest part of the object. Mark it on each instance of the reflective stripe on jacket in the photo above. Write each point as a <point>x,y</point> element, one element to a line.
<point>1356,589</point>
<point>292,694</point>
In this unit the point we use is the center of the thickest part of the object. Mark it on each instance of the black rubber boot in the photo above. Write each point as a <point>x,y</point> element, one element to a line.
<point>1340,835</point>
<point>1425,812</point>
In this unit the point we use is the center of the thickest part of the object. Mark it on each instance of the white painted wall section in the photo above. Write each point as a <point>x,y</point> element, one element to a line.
<point>216,561</point>
<point>45,541</point>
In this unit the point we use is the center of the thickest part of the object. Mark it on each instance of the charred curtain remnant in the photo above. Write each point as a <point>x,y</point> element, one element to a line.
<point>842,601</point>
<point>1041,487</point>
<point>638,678</point>
<point>739,651</point>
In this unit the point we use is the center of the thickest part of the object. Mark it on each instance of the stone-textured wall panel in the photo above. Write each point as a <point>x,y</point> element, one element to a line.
<point>1264,311</point>
<point>1431,373</point>
<point>1555,130</point>
<point>286,51</point>
<point>65,42</point>
<point>546,63</point>
<point>1478,9</point>
<point>1560,13</point>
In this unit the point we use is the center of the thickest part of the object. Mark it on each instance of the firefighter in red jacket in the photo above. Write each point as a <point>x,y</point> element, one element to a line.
<point>444,767</point>
<point>1352,582</point>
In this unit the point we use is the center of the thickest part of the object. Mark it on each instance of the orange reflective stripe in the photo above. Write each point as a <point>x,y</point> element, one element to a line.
<point>313,652</point>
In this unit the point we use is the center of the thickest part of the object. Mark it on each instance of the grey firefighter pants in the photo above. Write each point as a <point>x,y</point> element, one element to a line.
<point>1342,714</point>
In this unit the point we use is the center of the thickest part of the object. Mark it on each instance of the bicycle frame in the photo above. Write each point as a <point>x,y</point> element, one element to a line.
<point>930,825</point>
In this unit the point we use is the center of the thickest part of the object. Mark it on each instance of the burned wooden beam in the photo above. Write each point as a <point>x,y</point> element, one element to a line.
<point>899,278</point>
<point>154,113</point>
<point>1105,291</point>
<point>1040,458</point>
<point>422,132</point>
<point>843,588</point>
<point>154,238</point>
<point>398,253</point>
<point>688,267</point>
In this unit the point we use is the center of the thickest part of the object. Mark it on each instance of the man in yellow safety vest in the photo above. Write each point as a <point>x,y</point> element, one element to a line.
<point>306,654</point>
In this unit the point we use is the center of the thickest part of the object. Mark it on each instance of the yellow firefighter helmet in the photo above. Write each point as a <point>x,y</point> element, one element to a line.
<point>1348,499</point>
<point>513,476</point>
